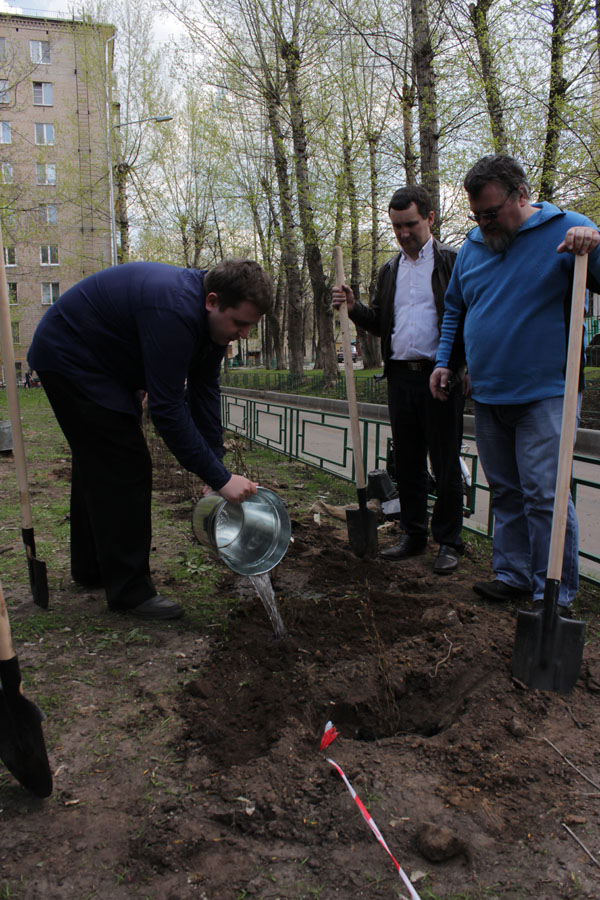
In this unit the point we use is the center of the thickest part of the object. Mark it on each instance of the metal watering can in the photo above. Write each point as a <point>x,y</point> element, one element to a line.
<point>250,537</point>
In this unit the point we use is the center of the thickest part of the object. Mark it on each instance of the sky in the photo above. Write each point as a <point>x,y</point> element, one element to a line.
<point>50,8</point>
<point>166,26</point>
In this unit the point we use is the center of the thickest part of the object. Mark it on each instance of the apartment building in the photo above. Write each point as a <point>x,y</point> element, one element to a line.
<point>54,162</point>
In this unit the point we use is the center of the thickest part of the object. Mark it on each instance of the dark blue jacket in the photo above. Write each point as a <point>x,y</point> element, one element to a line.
<point>143,326</point>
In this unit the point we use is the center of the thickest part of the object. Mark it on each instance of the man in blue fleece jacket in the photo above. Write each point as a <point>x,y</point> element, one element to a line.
<point>511,287</point>
<point>141,327</point>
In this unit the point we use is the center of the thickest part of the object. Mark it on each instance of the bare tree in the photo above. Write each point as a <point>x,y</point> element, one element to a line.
<point>478,15</point>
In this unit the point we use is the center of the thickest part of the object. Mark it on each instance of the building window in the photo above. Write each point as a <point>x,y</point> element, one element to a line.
<point>42,93</point>
<point>39,51</point>
<point>46,173</point>
<point>5,135</point>
<point>44,134</point>
<point>7,173</point>
<point>50,292</point>
<point>2,49</point>
<point>16,334</point>
<point>49,255</point>
<point>4,91</point>
<point>10,257</point>
<point>48,213</point>
<point>12,292</point>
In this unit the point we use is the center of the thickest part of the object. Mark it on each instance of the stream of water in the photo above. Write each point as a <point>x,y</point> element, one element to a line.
<point>264,589</point>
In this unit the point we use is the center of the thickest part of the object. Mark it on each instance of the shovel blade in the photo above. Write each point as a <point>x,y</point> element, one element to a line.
<point>22,747</point>
<point>548,661</point>
<point>362,532</point>
<point>38,577</point>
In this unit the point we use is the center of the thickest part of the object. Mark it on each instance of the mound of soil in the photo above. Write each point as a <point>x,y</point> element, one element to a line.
<point>187,762</point>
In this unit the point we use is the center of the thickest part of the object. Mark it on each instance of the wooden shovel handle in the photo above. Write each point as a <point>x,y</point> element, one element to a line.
<point>6,647</point>
<point>8,355</point>
<point>569,417</point>
<point>338,266</point>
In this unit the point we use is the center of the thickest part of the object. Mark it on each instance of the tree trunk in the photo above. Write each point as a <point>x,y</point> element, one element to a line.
<point>478,15</point>
<point>410,154</point>
<point>350,185</point>
<point>272,336</point>
<point>556,98</point>
<point>326,357</point>
<point>276,318</point>
<point>289,254</point>
<point>370,345</point>
<point>122,214</point>
<point>426,92</point>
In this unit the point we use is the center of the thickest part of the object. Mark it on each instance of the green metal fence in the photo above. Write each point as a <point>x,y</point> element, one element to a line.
<point>592,325</point>
<point>322,439</point>
<point>308,384</point>
<point>368,390</point>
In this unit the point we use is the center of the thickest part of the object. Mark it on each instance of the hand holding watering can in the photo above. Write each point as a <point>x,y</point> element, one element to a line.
<point>250,537</point>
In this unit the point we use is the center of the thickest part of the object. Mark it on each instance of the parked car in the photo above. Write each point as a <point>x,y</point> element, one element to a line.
<point>354,354</point>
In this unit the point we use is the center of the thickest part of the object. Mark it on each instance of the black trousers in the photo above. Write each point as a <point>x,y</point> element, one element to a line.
<point>111,492</point>
<point>422,425</point>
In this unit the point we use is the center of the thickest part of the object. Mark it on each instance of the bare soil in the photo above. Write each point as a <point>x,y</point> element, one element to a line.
<point>186,755</point>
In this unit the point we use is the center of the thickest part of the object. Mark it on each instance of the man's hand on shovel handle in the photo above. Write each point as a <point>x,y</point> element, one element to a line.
<point>579,240</point>
<point>339,294</point>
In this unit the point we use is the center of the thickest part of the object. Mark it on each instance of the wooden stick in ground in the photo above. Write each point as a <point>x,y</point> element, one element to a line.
<point>362,523</point>
<point>338,264</point>
<point>6,647</point>
<point>569,417</point>
<point>37,569</point>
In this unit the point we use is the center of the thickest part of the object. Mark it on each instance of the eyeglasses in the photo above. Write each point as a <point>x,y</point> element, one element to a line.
<point>490,214</point>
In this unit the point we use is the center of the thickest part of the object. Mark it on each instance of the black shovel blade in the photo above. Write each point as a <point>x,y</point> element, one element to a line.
<point>38,578</point>
<point>548,650</point>
<point>362,532</point>
<point>22,747</point>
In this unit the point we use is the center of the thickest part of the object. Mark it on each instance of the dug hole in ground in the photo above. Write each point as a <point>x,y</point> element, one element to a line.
<point>186,755</point>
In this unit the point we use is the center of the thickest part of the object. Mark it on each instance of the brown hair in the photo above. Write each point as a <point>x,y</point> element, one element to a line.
<point>412,193</point>
<point>234,280</point>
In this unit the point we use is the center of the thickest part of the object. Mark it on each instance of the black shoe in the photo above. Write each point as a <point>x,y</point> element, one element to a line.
<point>447,560</point>
<point>407,546</point>
<point>156,608</point>
<point>499,591</point>
<point>565,612</point>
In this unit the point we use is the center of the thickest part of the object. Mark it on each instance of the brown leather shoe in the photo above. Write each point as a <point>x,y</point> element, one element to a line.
<point>407,546</point>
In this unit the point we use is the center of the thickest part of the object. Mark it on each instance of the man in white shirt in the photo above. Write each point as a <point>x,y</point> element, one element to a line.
<point>406,314</point>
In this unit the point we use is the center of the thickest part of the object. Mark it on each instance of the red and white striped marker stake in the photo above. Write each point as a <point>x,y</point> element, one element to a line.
<point>329,735</point>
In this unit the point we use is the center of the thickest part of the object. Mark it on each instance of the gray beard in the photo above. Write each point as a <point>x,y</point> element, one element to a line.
<point>498,242</point>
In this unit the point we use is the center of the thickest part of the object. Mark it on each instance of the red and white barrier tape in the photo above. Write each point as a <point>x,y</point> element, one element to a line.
<point>329,735</point>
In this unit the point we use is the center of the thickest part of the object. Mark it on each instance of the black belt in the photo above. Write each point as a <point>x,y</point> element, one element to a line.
<point>414,365</point>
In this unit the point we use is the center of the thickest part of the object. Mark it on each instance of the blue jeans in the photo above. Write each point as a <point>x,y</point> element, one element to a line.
<point>518,447</point>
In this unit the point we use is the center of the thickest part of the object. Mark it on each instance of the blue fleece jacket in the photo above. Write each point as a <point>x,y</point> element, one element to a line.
<point>143,326</point>
<point>516,307</point>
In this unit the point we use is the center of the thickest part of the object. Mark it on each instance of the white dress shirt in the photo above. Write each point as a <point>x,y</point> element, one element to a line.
<point>415,334</point>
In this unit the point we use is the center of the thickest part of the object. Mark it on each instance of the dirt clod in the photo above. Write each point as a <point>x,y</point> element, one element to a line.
<point>438,843</point>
